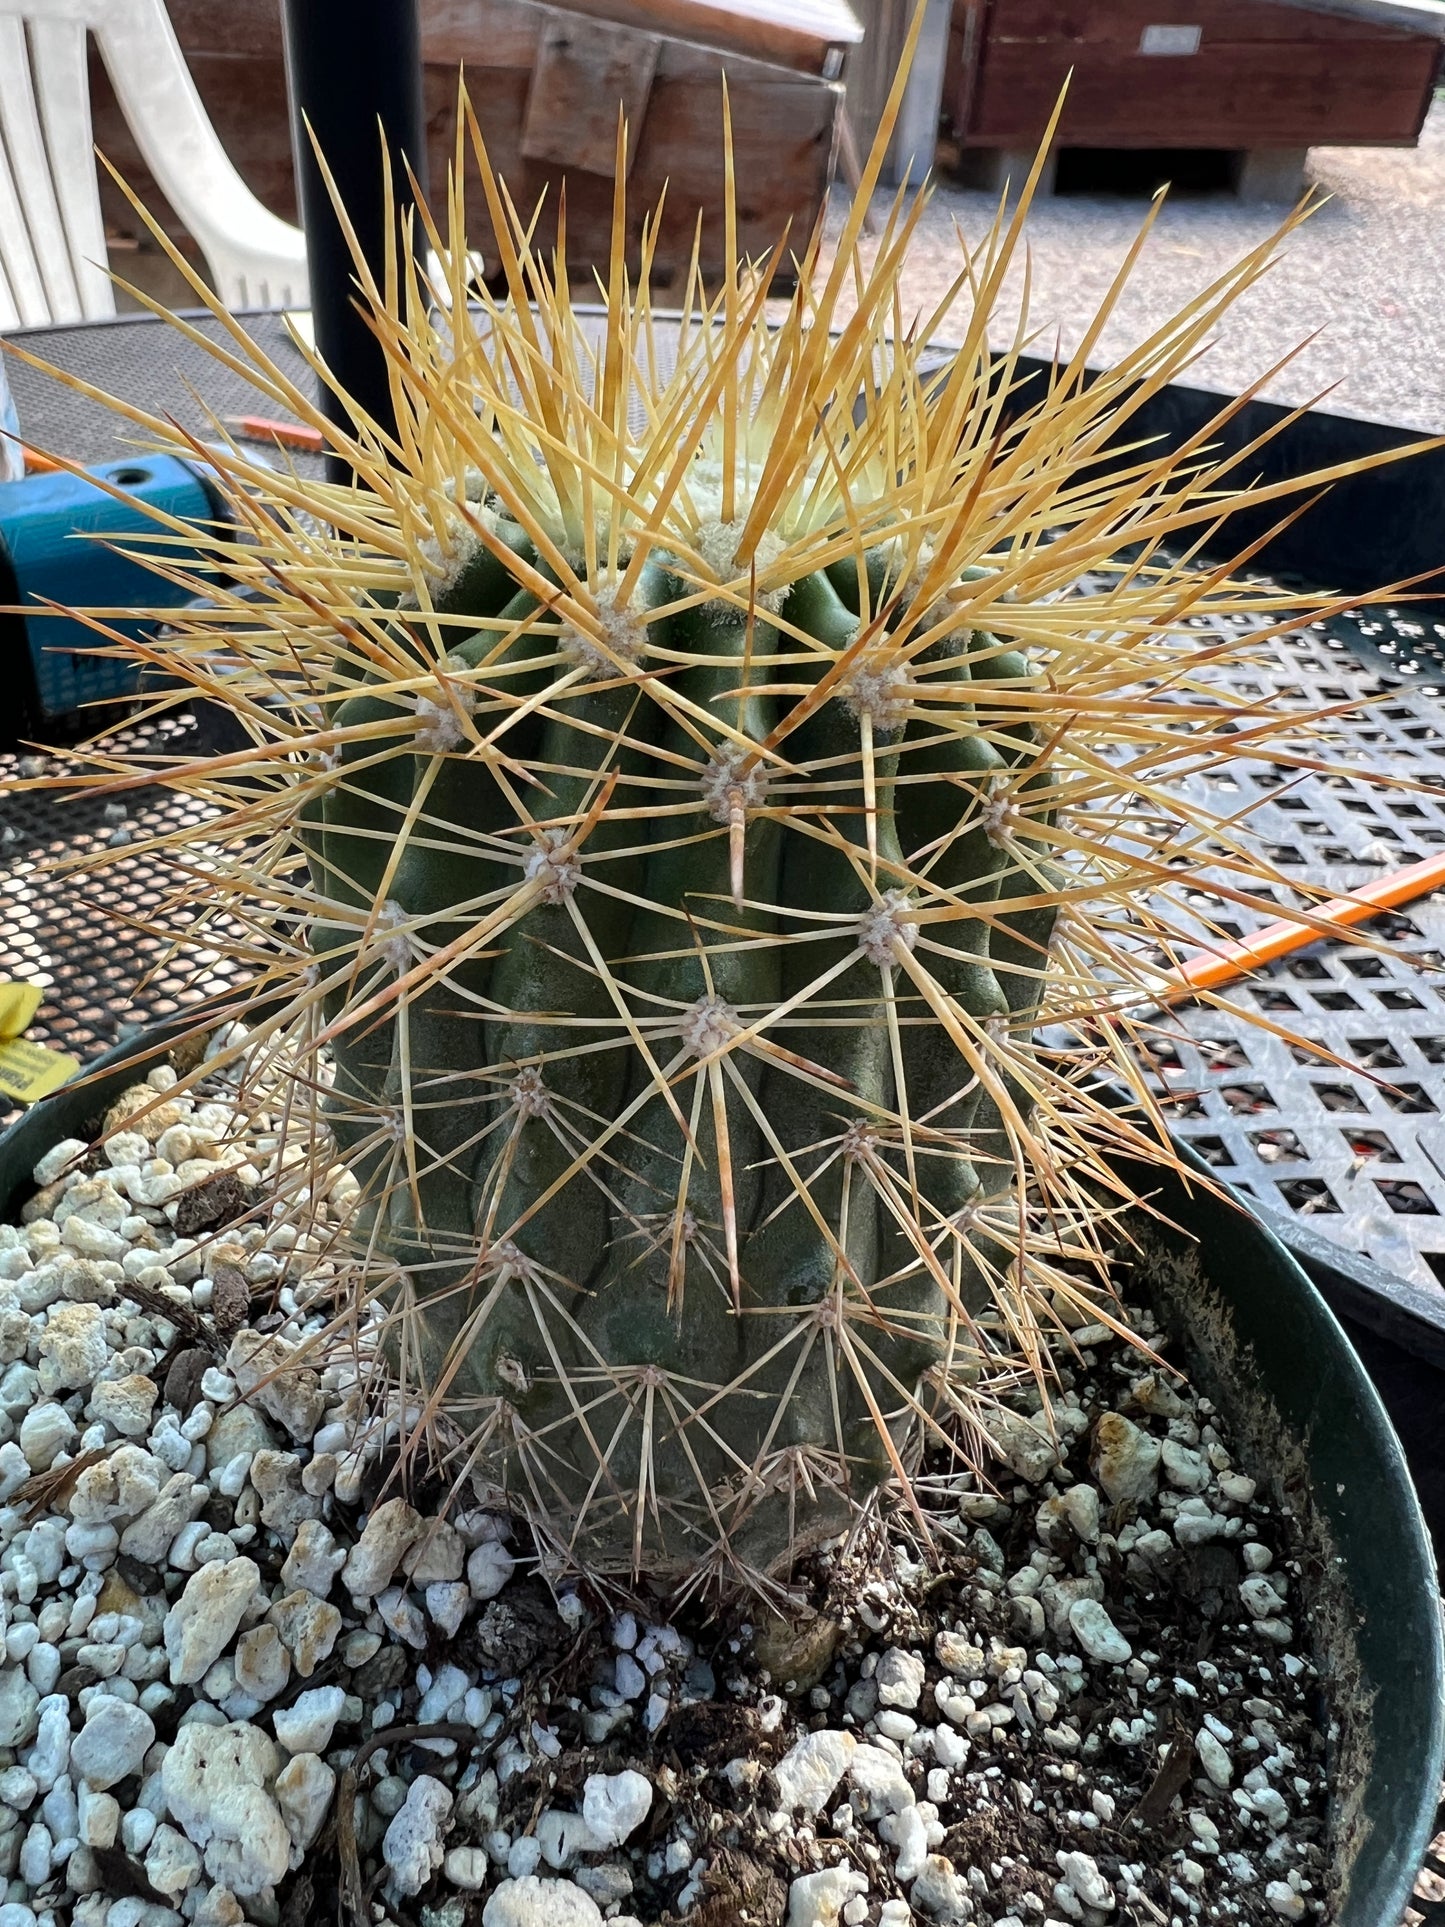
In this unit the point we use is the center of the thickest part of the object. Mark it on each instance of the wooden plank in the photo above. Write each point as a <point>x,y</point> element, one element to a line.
<point>585,74</point>
<point>806,36</point>
<point>1308,95</point>
<point>1414,16</point>
<point>1121,22</point>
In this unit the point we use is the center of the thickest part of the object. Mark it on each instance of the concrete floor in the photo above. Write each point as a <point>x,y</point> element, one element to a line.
<point>1367,269</point>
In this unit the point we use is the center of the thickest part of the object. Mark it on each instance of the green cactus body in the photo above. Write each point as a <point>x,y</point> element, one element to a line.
<point>701,1260</point>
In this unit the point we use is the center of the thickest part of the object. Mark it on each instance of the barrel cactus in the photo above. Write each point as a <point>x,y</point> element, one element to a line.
<point>678,786</point>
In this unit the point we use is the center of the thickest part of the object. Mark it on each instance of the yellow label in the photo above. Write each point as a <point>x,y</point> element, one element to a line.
<point>29,1071</point>
<point>18,1004</point>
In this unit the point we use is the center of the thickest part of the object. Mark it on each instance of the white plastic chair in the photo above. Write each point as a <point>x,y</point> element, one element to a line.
<point>52,238</point>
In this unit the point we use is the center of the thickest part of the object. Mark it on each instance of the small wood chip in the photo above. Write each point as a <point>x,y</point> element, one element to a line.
<point>186,1320</point>
<point>50,1491</point>
<point>183,1380</point>
<point>122,1875</point>
<point>1168,1782</point>
<point>230,1298</point>
<point>211,1203</point>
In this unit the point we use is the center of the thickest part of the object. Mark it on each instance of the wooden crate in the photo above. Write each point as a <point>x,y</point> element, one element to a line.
<point>1234,74</point>
<point>784,124</point>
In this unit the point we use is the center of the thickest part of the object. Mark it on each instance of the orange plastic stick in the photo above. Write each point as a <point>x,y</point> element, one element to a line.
<point>257,428</point>
<point>1234,960</point>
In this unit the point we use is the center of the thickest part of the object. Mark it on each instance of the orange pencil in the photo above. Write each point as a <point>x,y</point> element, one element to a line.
<point>1234,960</point>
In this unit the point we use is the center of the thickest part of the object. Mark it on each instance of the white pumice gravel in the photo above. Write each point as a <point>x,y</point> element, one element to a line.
<point>218,1611</point>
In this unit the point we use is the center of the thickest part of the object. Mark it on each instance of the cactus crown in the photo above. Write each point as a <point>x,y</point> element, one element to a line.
<point>680,783</point>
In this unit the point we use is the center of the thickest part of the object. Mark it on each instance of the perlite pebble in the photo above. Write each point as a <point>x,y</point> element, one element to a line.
<point>562,1836</point>
<point>907,1833</point>
<point>808,1773</point>
<point>879,1781</point>
<point>214,1781</point>
<point>465,1867</point>
<point>818,1899</point>
<point>46,1429</point>
<point>1097,1633</point>
<point>899,1678</point>
<point>1260,1597</point>
<point>1081,1873</point>
<point>203,1621</point>
<point>303,1791</point>
<point>1213,1758</point>
<point>1024,1447</point>
<point>489,1567</point>
<point>73,1349</point>
<point>1125,1459</point>
<point>1285,1901</point>
<point>112,1743</point>
<point>614,1805</point>
<point>530,1902</point>
<point>57,1159</point>
<point>305,1726</point>
<point>413,1844</point>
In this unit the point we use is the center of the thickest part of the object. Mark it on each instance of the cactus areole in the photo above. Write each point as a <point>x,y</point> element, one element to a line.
<point>680,784</point>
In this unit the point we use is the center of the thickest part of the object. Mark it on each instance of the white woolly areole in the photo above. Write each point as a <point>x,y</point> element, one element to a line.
<point>530,1096</point>
<point>1000,814</point>
<point>881,688</point>
<point>905,567</point>
<point>555,865</point>
<point>860,1143</point>
<point>438,727</point>
<point>451,546</point>
<point>886,924</point>
<point>624,634</point>
<point>717,544</point>
<point>396,948</point>
<point>728,789</point>
<point>708,1025</point>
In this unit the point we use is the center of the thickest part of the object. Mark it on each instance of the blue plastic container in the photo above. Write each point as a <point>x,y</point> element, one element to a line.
<point>57,544</point>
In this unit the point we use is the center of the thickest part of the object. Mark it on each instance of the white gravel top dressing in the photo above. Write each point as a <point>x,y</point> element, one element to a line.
<point>242,1675</point>
<point>1368,269</point>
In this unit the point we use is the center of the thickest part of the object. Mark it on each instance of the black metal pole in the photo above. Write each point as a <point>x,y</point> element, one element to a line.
<point>351,64</point>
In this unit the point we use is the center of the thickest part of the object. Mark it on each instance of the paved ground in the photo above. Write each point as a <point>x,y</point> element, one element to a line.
<point>1368,268</point>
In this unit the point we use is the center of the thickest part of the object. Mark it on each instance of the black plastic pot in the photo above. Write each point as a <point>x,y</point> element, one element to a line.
<point>1399,1333</point>
<point>1259,1340</point>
